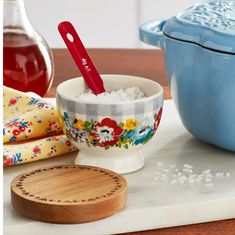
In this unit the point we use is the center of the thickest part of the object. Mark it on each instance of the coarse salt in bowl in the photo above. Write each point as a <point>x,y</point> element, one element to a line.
<point>110,129</point>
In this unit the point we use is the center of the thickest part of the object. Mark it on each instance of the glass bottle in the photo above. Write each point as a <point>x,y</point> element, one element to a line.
<point>27,60</point>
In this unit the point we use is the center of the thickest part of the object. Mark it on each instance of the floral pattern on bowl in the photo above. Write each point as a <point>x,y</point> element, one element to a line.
<point>110,135</point>
<point>107,133</point>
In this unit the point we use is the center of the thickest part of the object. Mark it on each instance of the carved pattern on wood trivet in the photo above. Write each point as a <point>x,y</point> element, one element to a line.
<point>21,180</point>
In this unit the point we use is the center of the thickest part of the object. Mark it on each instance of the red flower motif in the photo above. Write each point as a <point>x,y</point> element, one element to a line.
<point>13,123</point>
<point>16,132</point>
<point>36,150</point>
<point>106,132</point>
<point>7,161</point>
<point>68,143</point>
<point>157,120</point>
<point>22,129</point>
<point>12,101</point>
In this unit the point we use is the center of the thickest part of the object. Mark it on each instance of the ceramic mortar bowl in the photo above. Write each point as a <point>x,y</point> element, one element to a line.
<point>110,135</point>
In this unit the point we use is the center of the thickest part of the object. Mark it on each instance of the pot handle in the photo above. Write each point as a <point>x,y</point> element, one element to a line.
<point>151,33</point>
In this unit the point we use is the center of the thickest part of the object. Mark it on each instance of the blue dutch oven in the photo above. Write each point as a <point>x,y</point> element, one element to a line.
<point>199,52</point>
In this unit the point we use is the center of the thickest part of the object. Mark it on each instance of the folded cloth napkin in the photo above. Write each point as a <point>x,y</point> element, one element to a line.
<point>31,129</point>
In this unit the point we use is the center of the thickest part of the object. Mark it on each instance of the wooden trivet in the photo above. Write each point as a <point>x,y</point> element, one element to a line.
<point>68,194</point>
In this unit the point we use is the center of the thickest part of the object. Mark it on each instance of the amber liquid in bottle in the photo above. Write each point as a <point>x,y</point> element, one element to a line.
<point>26,64</point>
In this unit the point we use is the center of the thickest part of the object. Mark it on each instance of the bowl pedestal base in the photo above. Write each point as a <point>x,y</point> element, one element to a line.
<point>121,163</point>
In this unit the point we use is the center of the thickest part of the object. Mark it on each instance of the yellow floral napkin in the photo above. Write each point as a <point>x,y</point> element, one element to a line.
<point>31,129</point>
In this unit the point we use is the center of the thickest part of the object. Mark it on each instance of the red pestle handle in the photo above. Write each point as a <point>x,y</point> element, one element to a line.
<point>81,57</point>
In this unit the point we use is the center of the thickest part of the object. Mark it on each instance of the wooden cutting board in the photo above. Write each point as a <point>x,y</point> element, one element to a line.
<point>68,194</point>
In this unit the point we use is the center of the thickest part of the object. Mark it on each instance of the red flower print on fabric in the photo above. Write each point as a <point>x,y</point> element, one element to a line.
<point>16,132</point>
<point>7,162</point>
<point>36,150</point>
<point>12,101</point>
<point>12,123</point>
<point>106,132</point>
<point>22,129</point>
<point>68,143</point>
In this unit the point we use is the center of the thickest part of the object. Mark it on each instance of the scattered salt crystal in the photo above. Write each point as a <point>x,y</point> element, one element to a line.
<point>206,171</point>
<point>160,164</point>
<point>219,174</point>
<point>201,176</point>
<point>208,180</point>
<point>187,170</point>
<point>114,96</point>
<point>187,166</point>
<point>209,185</point>
<point>186,175</point>
<point>193,175</point>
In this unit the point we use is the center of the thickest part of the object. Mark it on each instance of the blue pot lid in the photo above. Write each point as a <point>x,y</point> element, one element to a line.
<point>210,24</point>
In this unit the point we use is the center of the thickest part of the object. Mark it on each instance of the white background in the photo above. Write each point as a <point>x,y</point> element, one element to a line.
<point>101,23</point>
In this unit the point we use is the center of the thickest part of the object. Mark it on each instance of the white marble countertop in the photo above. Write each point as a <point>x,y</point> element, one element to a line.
<point>151,203</point>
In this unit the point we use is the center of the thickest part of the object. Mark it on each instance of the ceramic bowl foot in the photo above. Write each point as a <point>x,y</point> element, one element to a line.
<point>122,164</point>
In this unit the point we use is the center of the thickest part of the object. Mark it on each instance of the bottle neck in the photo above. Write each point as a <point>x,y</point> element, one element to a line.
<point>15,17</point>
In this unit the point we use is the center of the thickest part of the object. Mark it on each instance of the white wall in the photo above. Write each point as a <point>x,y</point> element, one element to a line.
<point>100,23</point>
